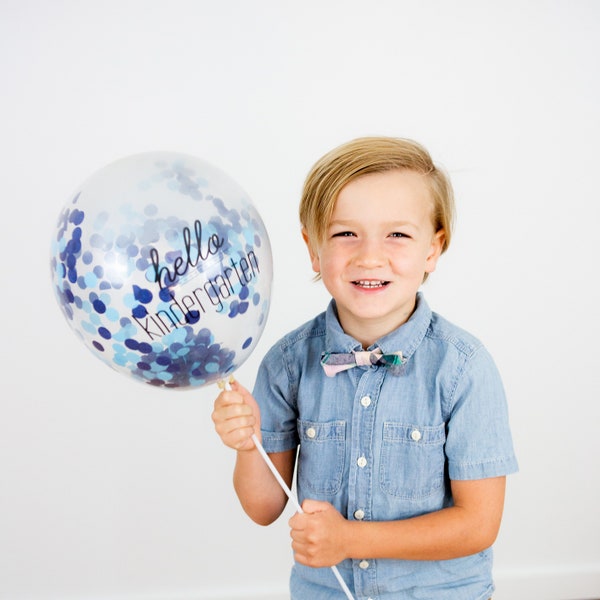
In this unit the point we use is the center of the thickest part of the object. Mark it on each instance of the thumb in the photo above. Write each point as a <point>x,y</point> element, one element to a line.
<point>248,398</point>
<point>315,506</point>
<point>236,386</point>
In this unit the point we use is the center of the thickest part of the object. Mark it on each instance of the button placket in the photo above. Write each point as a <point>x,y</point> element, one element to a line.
<point>360,489</point>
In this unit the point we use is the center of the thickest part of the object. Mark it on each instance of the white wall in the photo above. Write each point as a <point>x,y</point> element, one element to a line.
<point>112,490</point>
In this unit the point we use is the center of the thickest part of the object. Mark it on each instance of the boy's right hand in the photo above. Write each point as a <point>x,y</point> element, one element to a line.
<point>236,417</point>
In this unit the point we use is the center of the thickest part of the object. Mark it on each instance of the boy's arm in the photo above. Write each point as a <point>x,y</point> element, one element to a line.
<point>260,495</point>
<point>322,537</point>
<point>236,417</point>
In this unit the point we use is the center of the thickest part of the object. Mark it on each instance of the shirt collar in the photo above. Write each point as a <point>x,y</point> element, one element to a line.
<point>405,338</point>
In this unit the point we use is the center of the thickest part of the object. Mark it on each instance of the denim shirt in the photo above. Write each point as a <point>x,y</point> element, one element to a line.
<point>382,447</point>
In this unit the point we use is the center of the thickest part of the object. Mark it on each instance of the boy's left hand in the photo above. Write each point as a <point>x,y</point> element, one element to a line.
<point>318,534</point>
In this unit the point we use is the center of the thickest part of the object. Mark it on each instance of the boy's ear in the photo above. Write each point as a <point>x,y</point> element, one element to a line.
<point>314,257</point>
<point>437,245</point>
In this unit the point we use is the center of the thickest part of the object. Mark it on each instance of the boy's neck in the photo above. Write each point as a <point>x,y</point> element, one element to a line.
<point>368,331</point>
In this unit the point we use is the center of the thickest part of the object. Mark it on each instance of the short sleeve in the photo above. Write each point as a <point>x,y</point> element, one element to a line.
<point>479,441</point>
<point>276,397</point>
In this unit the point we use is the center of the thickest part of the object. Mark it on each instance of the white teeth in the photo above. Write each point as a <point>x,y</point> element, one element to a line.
<point>370,283</point>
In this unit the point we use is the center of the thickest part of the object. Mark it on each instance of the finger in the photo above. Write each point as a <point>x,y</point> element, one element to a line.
<point>236,411</point>
<point>230,407</point>
<point>297,547</point>
<point>236,433</point>
<point>239,427</point>
<point>302,554</point>
<point>241,439</point>
<point>229,397</point>
<point>233,417</point>
<point>297,522</point>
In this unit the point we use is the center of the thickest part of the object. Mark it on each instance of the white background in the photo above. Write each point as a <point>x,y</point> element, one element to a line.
<point>111,489</point>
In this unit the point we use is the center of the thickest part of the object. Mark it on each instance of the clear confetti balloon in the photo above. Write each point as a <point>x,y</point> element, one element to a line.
<point>162,266</point>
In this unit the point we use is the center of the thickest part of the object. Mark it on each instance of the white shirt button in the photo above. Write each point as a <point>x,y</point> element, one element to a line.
<point>363,564</point>
<point>415,435</point>
<point>366,401</point>
<point>362,462</point>
<point>359,514</point>
<point>310,432</point>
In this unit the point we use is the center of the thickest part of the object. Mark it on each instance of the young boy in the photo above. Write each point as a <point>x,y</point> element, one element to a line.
<point>397,417</point>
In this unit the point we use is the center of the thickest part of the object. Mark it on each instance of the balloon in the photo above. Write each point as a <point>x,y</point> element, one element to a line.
<point>162,266</point>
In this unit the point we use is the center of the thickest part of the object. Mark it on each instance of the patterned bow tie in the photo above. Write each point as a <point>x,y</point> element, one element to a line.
<point>335,362</point>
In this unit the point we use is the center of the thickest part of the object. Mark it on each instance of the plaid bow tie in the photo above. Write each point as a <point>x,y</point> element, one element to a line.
<point>335,362</point>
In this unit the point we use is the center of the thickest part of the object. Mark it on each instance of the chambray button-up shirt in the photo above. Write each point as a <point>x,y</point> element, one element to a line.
<point>384,447</point>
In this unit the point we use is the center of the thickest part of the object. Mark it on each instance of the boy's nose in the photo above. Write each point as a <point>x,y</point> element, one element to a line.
<point>370,254</point>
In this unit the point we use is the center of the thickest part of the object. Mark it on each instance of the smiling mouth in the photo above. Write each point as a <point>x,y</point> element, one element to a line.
<point>370,284</point>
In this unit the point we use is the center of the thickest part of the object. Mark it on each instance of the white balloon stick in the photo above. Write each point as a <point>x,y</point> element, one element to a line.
<point>290,495</point>
<point>296,504</point>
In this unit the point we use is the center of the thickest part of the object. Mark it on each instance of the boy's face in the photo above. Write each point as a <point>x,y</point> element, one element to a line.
<point>378,246</point>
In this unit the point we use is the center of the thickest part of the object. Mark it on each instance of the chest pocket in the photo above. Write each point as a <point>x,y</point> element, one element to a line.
<point>321,460</point>
<point>412,460</point>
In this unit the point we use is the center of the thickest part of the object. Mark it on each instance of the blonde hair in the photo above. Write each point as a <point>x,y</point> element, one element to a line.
<point>371,155</point>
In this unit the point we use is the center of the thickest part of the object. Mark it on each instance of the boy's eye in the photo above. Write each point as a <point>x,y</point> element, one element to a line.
<point>343,234</point>
<point>398,234</point>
